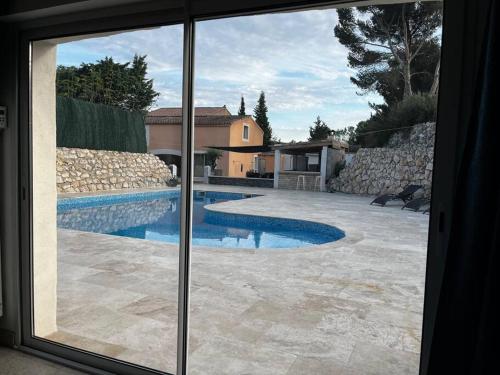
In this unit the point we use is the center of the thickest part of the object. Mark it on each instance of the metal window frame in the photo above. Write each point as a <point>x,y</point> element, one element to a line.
<point>445,162</point>
<point>187,174</point>
<point>73,357</point>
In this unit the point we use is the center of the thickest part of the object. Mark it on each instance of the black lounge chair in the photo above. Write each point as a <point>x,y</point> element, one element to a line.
<point>416,204</point>
<point>406,195</point>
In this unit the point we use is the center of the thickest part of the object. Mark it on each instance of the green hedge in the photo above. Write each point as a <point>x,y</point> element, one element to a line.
<point>82,124</point>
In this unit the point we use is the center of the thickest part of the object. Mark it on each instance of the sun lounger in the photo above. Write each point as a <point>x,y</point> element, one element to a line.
<point>416,204</point>
<point>406,195</point>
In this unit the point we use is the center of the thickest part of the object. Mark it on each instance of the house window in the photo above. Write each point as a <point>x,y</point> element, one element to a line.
<point>245,132</point>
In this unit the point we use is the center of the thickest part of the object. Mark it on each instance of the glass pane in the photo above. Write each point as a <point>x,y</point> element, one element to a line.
<point>305,119</point>
<point>105,195</point>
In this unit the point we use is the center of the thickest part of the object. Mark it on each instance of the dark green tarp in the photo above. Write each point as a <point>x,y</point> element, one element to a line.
<point>82,124</point>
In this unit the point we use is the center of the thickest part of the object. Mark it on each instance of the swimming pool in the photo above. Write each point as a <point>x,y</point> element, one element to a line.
<point>155,216</point>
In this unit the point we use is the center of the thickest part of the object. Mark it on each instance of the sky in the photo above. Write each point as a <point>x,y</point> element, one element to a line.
<point>293,57</point>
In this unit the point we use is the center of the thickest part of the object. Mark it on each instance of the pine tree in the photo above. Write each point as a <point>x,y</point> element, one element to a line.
<point>260,115</point>
<point>140,92</point>
<point>394,48</point>
<point>241,111</point>
<point>319,131</point>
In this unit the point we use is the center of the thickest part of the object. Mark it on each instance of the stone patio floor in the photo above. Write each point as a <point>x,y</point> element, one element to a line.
<point>353,306</point>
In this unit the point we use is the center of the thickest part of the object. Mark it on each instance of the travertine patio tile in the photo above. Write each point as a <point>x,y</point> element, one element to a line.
<point>308,342</point>
<point>238,358</point>
<point>104,348</point>
<point>368,359</point>
<point>316,366</point>
<point>152,307</point>
<point>349,307</point>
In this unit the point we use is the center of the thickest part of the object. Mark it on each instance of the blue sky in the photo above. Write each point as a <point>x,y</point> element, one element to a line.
<point>293,57</point>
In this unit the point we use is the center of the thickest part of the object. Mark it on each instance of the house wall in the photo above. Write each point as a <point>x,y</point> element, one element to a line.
<point>169,137</point>
<point>231,164</point>
<point>270,162</point>
<point>165,137</point>
<point>240,163</point>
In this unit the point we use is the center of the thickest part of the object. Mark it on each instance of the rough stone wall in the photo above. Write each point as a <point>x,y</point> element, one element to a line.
<point>406,160</point>
<point>81,170</point>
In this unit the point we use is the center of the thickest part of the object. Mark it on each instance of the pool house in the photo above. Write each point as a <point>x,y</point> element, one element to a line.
<point>307,165</point>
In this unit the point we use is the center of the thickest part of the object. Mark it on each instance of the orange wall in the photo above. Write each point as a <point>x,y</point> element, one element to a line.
<point>255,136</point>
<point>169,137</point>
<point>270,162</point>
<point>240,163</point>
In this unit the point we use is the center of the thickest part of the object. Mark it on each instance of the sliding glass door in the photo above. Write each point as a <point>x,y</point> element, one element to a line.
<point>106,199</point>
<point>310,229</point>
<point>265,213</point>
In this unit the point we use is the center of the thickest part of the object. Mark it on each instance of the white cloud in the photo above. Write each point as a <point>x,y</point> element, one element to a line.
<point>293,57</point>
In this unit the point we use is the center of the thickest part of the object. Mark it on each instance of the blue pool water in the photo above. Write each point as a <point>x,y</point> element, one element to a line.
<point>155,216</point>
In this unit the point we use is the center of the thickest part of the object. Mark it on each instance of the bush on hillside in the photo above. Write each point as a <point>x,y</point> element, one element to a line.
<point>376,131</point>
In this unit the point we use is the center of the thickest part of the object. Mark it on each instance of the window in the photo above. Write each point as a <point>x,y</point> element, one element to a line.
<point>266,314</point>
<point>92,289</point>
<point>246,129</point>
<point>117,297</point>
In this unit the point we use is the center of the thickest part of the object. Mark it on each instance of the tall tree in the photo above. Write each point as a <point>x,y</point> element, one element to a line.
<point>394,48</point>
<point>260,115</point>
<point>319,131</point>
<point>140,92</point>
<point>108,82</point>
<point>347,134</point>
<point>241,111</point>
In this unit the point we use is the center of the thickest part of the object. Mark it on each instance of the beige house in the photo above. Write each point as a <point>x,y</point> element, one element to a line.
<point>214,127</point>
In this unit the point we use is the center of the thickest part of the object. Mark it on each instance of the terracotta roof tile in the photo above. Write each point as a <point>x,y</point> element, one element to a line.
<point>198,111</point>
<point>205,116</point>
<point>198,120</point>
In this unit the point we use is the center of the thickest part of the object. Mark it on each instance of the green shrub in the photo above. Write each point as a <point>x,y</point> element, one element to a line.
<point>376,131</point>
<point>212,156</point>
<point>94,126</point>
<point>413,110</point>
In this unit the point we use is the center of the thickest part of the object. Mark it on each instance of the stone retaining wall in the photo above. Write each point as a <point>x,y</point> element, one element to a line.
<point>407,160</point>
<point>81,170</point>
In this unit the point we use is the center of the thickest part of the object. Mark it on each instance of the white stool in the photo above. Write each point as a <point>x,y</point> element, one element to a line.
<point>301,178</point>
<point>317,183</point>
